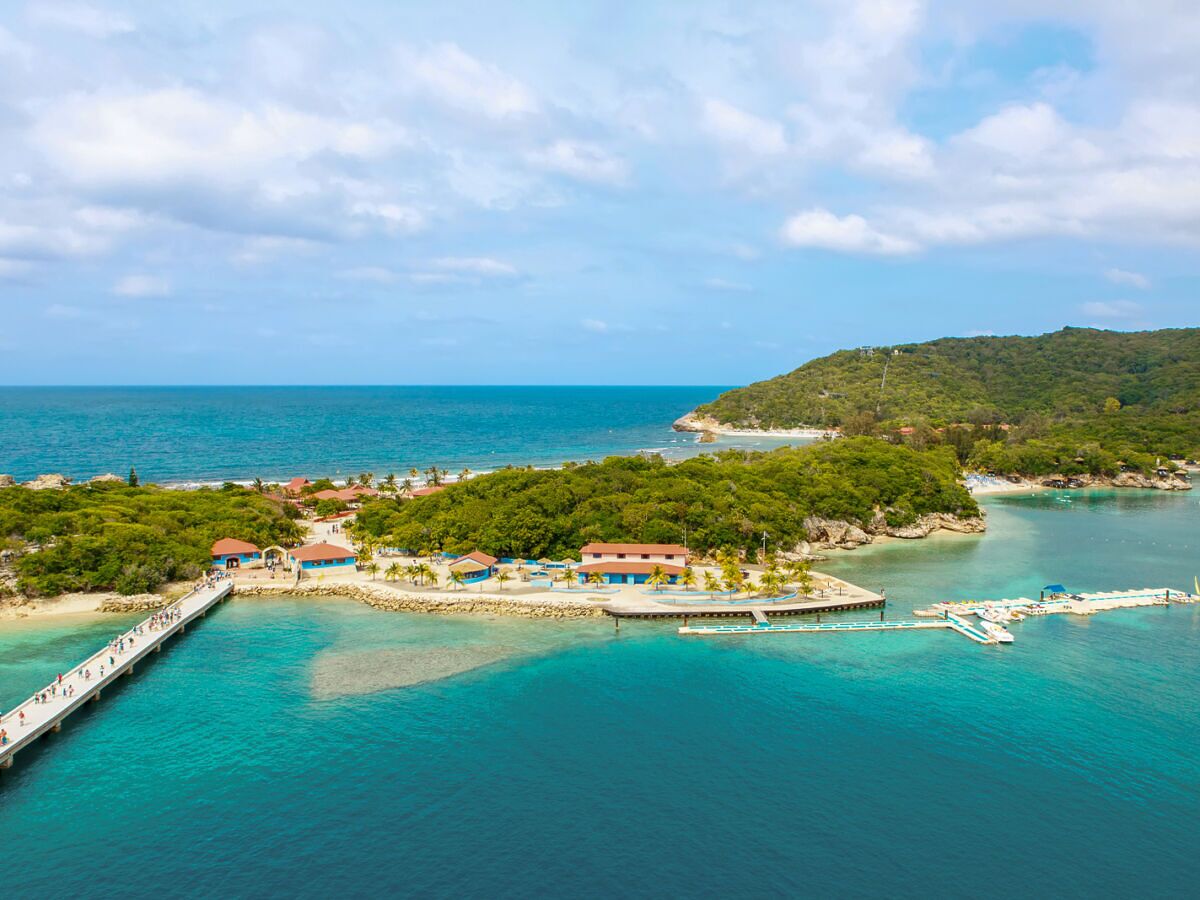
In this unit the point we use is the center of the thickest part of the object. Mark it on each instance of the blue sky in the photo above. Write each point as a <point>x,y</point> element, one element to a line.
<point>696,193</point>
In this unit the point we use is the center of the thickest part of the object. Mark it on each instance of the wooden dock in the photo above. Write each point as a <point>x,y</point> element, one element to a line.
<point>44,718</point>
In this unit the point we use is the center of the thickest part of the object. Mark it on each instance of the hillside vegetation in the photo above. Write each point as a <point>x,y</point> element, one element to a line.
<point>1127,392</point>
<point>724,501</point>
<point>128,539</point>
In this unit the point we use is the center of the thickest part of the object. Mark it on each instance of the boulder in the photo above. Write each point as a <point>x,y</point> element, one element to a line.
<point>101,479</point>
<point>7,481</point>
<point>48,483</point>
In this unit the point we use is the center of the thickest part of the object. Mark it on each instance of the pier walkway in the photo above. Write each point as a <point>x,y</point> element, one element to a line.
<point>953,623</point>
<point>63,699</point>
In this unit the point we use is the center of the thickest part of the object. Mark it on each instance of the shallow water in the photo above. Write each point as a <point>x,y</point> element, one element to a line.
<point>644,764</point>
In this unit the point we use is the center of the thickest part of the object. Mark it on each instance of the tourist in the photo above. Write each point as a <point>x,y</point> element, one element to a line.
<point>21,717</point>
<point>3,737</point>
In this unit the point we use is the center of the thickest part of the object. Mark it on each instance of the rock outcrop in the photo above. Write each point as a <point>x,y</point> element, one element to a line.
<point>383,597</point>
<point>101,479</point>
<point>829,534</point>
<point>7,481</point>
<point>48,483</point>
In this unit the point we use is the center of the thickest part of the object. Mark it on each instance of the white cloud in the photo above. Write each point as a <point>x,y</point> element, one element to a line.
<point>477,265</point>
<point>142,286</point>
<point>81,17</point>
<point>395,218</point>
<point>897,152</point>
<point>745,131</point>
<point>1132,279</point>
<point>1112,309</point>
<point>597,326</point>
<point>178,133</point>
<point>462,81</point>
<point>848,234</point>
<point>581,160</point>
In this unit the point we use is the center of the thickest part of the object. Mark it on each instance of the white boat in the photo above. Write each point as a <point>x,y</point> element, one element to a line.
<point>991,614</point>
<point>998,633</point>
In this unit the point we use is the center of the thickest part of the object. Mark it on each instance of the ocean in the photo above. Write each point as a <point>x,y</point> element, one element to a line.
<point>317,748</point>
<point>198,435</point>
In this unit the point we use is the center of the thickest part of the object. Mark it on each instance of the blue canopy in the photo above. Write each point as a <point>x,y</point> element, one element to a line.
<point>1055,589</point>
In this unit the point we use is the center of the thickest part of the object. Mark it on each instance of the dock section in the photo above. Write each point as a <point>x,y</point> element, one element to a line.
<point>952,623</point>
<point>37,717</point>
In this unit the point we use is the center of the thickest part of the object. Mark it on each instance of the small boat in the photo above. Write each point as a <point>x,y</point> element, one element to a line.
<point>998,633</point>
<point>991,614</point>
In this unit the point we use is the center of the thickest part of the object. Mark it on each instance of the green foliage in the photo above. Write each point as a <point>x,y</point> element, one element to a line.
<point>1067,378</point>
<point>1129,392</point>
<point>726,500</point>
<point>331,507</point>
<point>113,536</point>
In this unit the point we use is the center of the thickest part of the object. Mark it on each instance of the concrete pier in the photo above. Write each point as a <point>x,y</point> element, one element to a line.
<point>48,717</point>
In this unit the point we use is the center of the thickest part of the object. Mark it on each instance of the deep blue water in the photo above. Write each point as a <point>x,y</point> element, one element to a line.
<point>592,764</point>
<point>180,434</point>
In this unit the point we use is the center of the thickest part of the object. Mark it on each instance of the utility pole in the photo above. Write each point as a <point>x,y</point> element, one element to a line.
<point>764,556</point>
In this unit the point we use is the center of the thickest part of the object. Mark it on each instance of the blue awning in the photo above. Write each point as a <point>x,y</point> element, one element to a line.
<point>1055,589</point>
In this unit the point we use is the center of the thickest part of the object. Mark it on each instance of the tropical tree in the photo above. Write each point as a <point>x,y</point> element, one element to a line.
<point>390,481</point>
<point>433,476</point>
<point>373,568</point>
<point>431,576</point>
<point>413,571</point>
<point>801,572</point>
<point>687,578</point>
<point>366,478</point>
<point>712,584</point>
<point>133,479</point>
<point>258,485</point>
<point>406,486</point>
<point>457,578</point>
<point>595,578</point>
<point>568,577</point>
<point>394,572</point>
<point>413,473</point>
<point>464,474</point>
<point>657,578</point>
<point>502,576</point>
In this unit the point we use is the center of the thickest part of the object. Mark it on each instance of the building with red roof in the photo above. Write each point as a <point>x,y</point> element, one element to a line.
<point>230,553</point>
<point>475,565</point>
<point>632,563</point>
<point>295,487</point>
<point>323,556</point>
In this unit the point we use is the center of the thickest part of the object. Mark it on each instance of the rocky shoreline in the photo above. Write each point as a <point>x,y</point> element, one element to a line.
<point>835,534</point>
<point>382,597</point>
<point>707,425</point>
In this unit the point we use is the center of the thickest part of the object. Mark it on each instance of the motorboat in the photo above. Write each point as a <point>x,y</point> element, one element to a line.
<point>992,614</point>
<point>997,632</point>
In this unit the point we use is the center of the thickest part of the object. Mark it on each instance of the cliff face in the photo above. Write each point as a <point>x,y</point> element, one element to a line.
<point>829,534</point>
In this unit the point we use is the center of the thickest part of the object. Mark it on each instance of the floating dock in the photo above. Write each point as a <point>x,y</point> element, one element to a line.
<point>648,608</point>
<point>1080,604</point>
<point>953,623</point>
<point>44,718</point>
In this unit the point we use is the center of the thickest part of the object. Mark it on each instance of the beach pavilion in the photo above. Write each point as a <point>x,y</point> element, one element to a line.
<point>474,566</point>
<point>230,553</point>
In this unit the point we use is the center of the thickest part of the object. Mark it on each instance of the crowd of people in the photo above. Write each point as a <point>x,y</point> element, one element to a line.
<point>117,647</point>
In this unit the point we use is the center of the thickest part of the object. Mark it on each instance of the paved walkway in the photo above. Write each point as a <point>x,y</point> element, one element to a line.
<point>48,708</point>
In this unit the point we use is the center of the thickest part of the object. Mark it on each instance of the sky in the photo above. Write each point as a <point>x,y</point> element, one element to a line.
<point>581,193</point>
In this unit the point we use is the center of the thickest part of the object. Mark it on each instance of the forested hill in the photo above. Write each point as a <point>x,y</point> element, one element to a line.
<point>1070,380</point>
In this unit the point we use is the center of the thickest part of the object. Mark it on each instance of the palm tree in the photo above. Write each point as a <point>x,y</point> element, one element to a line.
<point>373,568</point>
<point>258,485</point>
<point>413,571</point>
<point>433,476</point>
<point>390,480</point>
<point>431,575</point>
<point>394,572</point>
<point>688,578</point>
<point>595,578</point>
<point>501,577</point>
<point>801,572</point>
<point>657,578</point>
<point>457,578</point>
<point>712,584</point>
<point>464,474</point>
<point>406,486</point>
<point>568,577</point>
<point>413,473</point>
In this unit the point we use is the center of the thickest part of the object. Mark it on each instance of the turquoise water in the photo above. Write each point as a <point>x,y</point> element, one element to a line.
<point>265,753</point>
<point>207,434</point>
